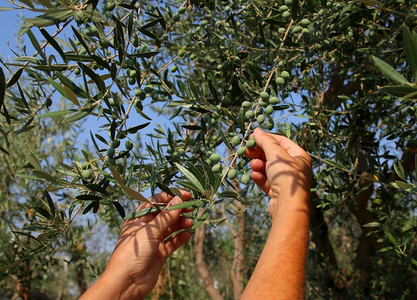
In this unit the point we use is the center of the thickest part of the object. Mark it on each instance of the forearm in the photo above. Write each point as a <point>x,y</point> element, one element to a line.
<point>280,271</point>
<point>110,286</point>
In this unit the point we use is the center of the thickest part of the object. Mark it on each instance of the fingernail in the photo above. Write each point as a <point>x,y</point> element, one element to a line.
<point>176,200</point>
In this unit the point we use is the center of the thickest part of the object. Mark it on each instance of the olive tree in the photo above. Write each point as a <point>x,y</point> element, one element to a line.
<point>336,77</point>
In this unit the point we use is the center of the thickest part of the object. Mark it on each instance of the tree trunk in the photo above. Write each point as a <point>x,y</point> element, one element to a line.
<point>237,272</point>
<point>199,237</point>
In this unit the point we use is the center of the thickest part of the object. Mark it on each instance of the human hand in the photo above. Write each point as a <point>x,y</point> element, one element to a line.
<point>281,169</point>
<point>142,250</point>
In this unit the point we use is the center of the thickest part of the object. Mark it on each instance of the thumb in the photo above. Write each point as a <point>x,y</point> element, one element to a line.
<point>167,218</point>
<point>269,145</point>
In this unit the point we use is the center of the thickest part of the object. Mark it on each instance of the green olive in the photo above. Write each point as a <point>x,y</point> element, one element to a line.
<point>86,174</point>
<point>251,143</point>
<point>215,158</point>
<point>245,179</point>
<point>241,151</point>
<point>232,174</point>
<point>235,140</point>
<point>273,100</point>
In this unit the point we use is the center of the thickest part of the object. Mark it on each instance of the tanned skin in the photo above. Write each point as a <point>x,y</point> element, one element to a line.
<point>283,171</point>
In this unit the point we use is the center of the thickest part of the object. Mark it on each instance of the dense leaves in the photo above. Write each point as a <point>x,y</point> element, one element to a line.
<point>336,77</point>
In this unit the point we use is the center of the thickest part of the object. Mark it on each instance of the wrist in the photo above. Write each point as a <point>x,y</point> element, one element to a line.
<point>289,204</point>
<point>113,286</point>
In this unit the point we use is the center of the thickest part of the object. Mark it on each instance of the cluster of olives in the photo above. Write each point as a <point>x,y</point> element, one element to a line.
<point>111,152</point>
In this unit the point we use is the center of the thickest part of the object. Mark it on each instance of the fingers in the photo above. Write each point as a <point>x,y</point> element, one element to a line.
<point>167,218</point>
<point>177,241</point>
<point>164,197</point>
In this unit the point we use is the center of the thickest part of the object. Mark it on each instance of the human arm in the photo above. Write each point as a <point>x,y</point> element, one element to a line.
<point>283,171</point>
<point>141,251</point>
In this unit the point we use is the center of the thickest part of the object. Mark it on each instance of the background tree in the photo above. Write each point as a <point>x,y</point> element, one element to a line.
<point>310,70</point>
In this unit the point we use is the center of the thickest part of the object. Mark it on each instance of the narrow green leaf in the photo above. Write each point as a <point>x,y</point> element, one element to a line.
<point>14,78</point>
<point>398,167</point>
<point>228,194</point>
<point>34,161</point>
<point>391,238</point>
<point>202,218</point>
<point>399,90</point>
<point>89,197</point>
<point>191,177</point>
<point>144,212</point>
<point>97,79</point>
<point>54,44</point>
<point>44,175</point>
<point>50,202</point>
<point>58,87</point>
<point>132,193</point>
<point>36,45</point>
<point>97,188</point>
<point>2,87</point>
<point>78,115</point>
<point>119,209</point>
<point>312,141</point>
<point>190,185</point>
<point>188,204</point>
<point>389,71</point>
<point>58,113</point>
<point>71,85</point>
<point>410,47</point>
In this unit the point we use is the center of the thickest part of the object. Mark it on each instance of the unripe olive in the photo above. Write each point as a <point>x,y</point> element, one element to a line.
<point>249,114</point>
<point>115,143</point>
<point>245,179</point>
<point>246,104</point>
<point>174,68</point>
<point>138,104</point>
<point>215,158</point>
<point>181,52</point>
<point>132,80</point>
<point>279,80</point>
<point>79,17</point>
<point>282,30</point>
<point>112,102</point>
<point>305,31</point>
<point>110,6</point>
<point>48,102</point>
<point>260,119</point>
<point>176,18</point>
<point>232,174</point>
<point>264,95</point>
<point>148,89</point>
<point>269,110</point>
<point>128,145</point>
<point>77,71</point>
<point>240,165</point>
<point>296,29</point>
<point>283,8</point>
<point>285,74</point>
<point>240,151</point>
<point>251,143</point>
<point>269,125</point>
<point>305,22</point>
<point>273,100</point>
<point>86,174</point>
<point>84,165</point>
<point>286,14</point>
<point>216,168</point>
<point>288,2</point>
<point>235,140</point>
<point>263,103</point>
<point>181,10</point>
<point>111,152</point>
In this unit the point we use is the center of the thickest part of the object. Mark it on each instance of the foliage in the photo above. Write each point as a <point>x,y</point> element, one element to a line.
<point>310,70</point>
